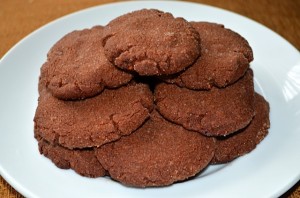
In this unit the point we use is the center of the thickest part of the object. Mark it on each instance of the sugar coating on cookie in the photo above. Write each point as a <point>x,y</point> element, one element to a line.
<point>157,154</point>
<point>216,112</point>
<point>82,161</point>
<point>93,121</point>
<point>225,57</point>
<point>151,42</point>
<point>230,147</point>
<point>77,68</point>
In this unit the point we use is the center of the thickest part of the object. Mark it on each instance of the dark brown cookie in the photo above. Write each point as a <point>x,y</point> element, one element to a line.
<point>77,68</point>
<point>82,161</point>
<point>151,42</point>
<point>216,112</point>
<point>225,57</point>
<point>93,121</point>
<point>157,154</point>
<point>245,140</point>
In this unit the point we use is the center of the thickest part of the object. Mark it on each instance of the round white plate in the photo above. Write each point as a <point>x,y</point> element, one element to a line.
<point>268,171</point>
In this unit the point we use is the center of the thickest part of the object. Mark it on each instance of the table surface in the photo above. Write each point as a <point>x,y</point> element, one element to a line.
<point>19,18</point>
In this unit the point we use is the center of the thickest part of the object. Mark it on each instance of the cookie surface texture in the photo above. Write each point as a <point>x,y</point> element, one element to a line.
<point>157,154</point>
<point>245,140</point>
<point>77,68</point>
<point>151,42</point>
<point>216,112</point>
<point>83,161</point>
<point>225,57</point>
<point>93,121</point>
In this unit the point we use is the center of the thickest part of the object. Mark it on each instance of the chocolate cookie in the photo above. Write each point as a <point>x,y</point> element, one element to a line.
<point>215,112</point>
<point>77,68</point>
<point>82,161</point>
<point>225,57</point>
<point>93,121</point>
<point>245,140</point>
<point>157,154</point>
<point>151,42</point>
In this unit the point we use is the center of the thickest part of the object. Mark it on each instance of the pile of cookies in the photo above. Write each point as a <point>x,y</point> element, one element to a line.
<point>148,99</point>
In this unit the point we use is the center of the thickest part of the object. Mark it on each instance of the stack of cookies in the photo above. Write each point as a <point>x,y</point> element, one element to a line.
<point>148,99</point>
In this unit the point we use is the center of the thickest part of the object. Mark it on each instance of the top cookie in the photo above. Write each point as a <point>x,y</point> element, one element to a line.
<point>151,42</point>
<point>225,57</point>
<point>77,67</point>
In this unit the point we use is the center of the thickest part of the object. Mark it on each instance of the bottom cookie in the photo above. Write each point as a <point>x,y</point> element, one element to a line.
<point>242,142</point>
<point>157,154</point>
<point>82,161</point>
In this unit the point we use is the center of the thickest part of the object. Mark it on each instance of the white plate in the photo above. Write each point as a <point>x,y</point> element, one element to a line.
<point>268,171</point>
